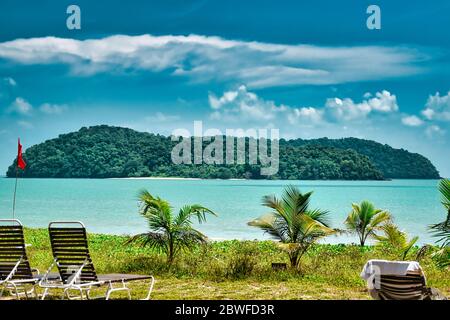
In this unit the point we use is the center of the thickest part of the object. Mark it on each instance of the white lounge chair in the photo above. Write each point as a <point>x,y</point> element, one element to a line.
<point>16,275</point>
<point>397,280</point>
<point>76,269</point>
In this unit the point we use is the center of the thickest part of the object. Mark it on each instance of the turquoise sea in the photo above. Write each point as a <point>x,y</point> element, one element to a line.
<point>111,206</point>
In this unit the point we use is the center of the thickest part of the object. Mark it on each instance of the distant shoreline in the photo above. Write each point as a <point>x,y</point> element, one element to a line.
<point>201,179</point>
<point>165,178</point>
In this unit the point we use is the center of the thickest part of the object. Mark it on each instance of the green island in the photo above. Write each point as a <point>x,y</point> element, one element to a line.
<point>115,152</point>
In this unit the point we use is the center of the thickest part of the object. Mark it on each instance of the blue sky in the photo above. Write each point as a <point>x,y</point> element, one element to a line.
<point>309,68</point>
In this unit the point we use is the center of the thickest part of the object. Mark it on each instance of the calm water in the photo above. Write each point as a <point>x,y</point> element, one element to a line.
<point>110,206</point>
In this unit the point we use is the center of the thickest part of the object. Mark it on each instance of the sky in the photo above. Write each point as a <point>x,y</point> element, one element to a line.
<point>308,68</point>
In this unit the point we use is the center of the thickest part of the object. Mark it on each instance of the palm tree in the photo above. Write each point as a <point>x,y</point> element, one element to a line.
<point>395,238</point>
<point>365,220</point>
<point>293,223</point>
<point>442,230</point>
<point>168,233</point>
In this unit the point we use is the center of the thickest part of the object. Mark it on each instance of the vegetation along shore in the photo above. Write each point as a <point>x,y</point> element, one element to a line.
<point>239,269</point>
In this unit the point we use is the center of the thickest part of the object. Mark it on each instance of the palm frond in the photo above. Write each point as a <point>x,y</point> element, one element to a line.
<point>442,230</point>
<point>154,240</point>
<point>189,211</point>
<point>278,206</point>
<point>322,216</point>
<point>444,189</point>
<point>380,218</point>
<point>395,238</point>
<point>352,221</point>
<point>407,247</point>
<point>442,257</point>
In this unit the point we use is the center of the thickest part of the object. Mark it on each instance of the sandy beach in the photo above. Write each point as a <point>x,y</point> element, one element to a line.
<point>168,178</point>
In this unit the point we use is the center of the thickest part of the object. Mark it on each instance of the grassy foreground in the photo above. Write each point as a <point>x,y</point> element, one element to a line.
<point>237,269</point>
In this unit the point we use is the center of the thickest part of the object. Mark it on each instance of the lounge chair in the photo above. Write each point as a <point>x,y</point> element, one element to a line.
<point>397,280</point>
<point>16,275</point>
<point>76,269</point>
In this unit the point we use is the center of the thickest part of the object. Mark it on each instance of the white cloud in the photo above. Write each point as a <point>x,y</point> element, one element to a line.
<point>49,108</point>
<point>437,107</point>
<point>206,58</point>
<point>434,130</point>
<point>241,104</point>
<point>21,106</point>
<point>347,110</point>
<point>412,121</point>
<point>244,105</point>
<point>217,103</point>
<point>305,115</point>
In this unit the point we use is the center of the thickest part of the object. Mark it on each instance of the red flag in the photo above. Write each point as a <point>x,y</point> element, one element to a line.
<point>20,163</point>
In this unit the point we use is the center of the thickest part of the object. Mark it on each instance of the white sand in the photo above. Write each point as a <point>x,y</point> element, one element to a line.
<point>169,178</point>
<point>158,178</point>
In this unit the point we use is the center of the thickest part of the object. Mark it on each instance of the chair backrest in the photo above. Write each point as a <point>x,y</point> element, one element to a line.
<point>70,249</point>
<point>12,250</point>
<point>407,287</point>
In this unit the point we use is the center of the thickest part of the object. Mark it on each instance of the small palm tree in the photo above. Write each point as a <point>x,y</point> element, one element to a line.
<point>395,238</point>
<point>168,233</point>
<point>442,230</point>
<point>293,223</point>
<point>365,220</point>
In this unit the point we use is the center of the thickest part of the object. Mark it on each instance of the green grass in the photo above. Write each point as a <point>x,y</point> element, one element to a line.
<point>237,269</point>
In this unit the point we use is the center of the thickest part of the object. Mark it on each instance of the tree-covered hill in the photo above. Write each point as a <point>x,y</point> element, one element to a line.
<point>394,163</point>
<point>108,152</point>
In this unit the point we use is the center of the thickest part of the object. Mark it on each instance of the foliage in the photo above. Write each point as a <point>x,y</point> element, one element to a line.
<point>331,271</point>
<point>242,261</point>
<point>169,234</point>
<point>293,223</point>
<point>442,230</point>
<point>111,152</point>
<point>396,239</point>
<point>365,220</point>
<point>393,163</point>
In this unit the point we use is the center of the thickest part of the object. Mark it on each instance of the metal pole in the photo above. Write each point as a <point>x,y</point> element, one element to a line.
<point>15,191</point>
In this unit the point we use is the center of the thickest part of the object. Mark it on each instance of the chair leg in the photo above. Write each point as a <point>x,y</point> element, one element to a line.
<point>45,293</point>
<point>88,293</point>
<point>25,292</point>
<point>150,289</point>
<point>67,293</point>
<point>16,291</point>
<point>35,293</point>
<point>111,289</point>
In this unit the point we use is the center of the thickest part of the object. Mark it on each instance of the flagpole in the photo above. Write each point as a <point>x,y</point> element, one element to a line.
<point>19,164</point>
<point>15,191</point>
